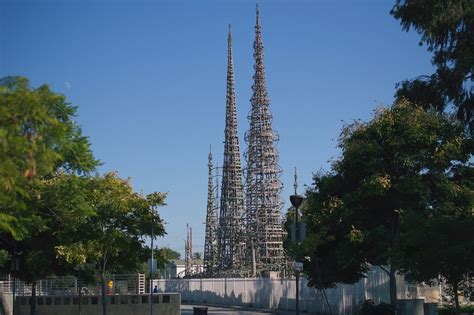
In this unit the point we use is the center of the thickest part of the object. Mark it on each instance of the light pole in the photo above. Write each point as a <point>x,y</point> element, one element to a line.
<point>296,201</point>
<point>151,262</point>
<point>15,268</point>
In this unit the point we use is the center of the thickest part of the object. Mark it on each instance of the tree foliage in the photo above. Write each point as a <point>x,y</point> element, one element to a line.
<point>112,238</point>
<point>38,140</point>
<point>55,217</point>
<point>4,257</point>
<point>43,156</point>
<point>447,28</point>
<point>119,220</point>
<point>162,256</point>
<point>169,254</point>
<point>404,161</point>
<point>441,246</point>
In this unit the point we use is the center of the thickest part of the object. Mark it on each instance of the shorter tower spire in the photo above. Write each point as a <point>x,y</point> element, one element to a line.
<point>210,242</point>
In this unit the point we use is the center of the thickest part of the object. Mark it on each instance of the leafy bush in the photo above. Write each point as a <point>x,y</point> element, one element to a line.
<point>368,307</point>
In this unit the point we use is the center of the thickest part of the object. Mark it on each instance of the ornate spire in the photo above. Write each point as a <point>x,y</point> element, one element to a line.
<point>257,22</point>
<point>231,209</point>
<point>263,187</point>
<point>210,243</point>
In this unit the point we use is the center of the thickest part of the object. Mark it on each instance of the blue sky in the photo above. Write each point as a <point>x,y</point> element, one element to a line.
<point>149,80</point>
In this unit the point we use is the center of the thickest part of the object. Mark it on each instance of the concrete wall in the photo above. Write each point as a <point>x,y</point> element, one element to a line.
<point>7,302</point>
<point>410,307</point>
<point>430,309</point>
<point>280,293</point>
<point>164,303</point>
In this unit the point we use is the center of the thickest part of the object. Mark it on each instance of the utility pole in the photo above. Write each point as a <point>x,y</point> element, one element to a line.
<point>15,268</point>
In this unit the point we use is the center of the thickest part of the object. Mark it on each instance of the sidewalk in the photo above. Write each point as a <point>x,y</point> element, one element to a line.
<point>187,309</point>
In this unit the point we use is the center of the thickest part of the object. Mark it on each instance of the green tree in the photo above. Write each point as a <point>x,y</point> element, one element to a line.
<point>444,235</point>
<point>55,218</point>
<point>112,239</point>
<point>4,257</point>
<point>38,140</point>
<point>162,255</point>
<point>330,253</point>
<point>169,254</point>
<point>447,250</point>
<point>62,206</point>
<point>399,163</point>
<point>447,28</point>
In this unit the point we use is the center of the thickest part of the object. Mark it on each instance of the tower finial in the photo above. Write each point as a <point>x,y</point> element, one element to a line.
<point>258,14</point>
<point>296,183</point>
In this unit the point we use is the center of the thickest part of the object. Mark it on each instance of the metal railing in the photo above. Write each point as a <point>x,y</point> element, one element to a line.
<point>69,285</point>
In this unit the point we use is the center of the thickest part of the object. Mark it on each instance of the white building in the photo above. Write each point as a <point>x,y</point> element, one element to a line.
<point>176,268</point>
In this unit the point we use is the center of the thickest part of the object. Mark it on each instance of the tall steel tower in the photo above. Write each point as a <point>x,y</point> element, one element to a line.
<point>263,186</point>
<point>231,245</point>
<point>210,243</point>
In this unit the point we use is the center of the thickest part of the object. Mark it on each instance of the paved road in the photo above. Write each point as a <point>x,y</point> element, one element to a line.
<point>213,310</point>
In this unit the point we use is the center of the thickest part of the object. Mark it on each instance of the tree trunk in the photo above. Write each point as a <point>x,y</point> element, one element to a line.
<point>33,298</point>
<point>393,287</point>
<point>104,297</point>
<point>456,296</point>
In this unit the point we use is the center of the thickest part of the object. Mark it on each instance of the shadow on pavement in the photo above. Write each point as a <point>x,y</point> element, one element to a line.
<point>214,310</point>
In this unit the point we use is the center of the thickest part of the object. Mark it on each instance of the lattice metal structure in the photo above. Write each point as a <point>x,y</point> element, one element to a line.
<point>231,245</point>
<point>263,187</point>
<point>210,242</point>
<point>188,251</point>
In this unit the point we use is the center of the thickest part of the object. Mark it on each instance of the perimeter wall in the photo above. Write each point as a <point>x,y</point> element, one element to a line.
<point>280,293</point>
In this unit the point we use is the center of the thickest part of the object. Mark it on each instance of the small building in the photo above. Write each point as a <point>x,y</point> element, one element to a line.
<point>177,268</point>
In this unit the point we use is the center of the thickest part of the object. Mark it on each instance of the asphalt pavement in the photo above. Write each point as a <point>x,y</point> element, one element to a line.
<point>218,310</point>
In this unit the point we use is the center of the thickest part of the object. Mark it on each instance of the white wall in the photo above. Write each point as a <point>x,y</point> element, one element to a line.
<point>280,293</point>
